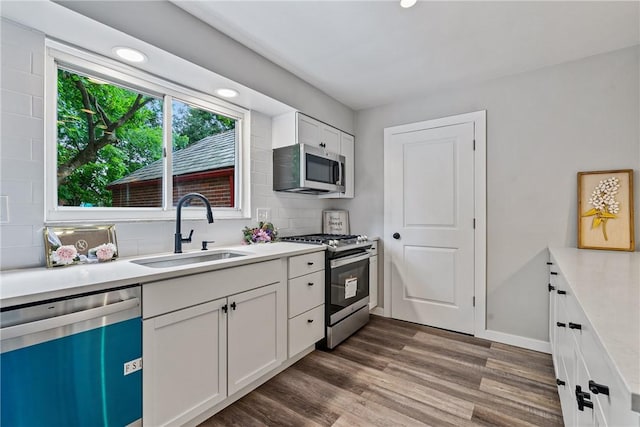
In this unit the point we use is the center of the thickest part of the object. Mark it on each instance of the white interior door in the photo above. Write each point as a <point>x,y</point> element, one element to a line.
<point>429,224</point>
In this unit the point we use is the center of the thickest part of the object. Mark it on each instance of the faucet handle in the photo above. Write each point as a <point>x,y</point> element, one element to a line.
<point>188,239</point>
<point>204,244</point>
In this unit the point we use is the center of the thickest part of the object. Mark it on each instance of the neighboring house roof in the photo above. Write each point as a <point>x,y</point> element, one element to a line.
<point>213,152</point>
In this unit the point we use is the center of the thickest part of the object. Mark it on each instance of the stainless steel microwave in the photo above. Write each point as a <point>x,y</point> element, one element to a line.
<point>302,168</point>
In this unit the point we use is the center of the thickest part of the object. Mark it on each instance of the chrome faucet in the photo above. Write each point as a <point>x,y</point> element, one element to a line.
<point>178,236</point>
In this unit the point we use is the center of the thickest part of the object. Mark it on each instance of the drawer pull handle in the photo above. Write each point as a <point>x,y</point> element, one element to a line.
<point>560,382</point>
<point>561,292</point>
<point>551,287</point>
<point>561,325</point>
<point>549,263</point>
<point>553,273</point>
<point>310,283</point>
<point>575,326</point>
<point>582,397</point>
<point>309,320</point>
<point>310,263</point>
<point>598,388</point>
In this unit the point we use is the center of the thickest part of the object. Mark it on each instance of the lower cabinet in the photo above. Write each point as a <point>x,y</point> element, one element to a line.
<point>184,363</point>
<point>195,357</point>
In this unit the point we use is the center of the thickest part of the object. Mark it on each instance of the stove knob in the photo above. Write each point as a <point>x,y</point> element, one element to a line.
<point>365,238</point>
<point>333,242</point>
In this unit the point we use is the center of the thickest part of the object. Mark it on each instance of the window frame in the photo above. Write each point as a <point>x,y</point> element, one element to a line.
<point>84,62</point>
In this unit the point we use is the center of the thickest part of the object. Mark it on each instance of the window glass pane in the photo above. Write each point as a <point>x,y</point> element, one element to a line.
<point>204,155</point>
<point>109,144</point>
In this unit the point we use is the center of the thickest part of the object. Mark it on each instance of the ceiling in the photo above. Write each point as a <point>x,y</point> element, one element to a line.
<point>371,53</point>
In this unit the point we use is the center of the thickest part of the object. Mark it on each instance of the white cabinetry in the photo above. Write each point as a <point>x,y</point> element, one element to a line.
<point>206,336</point>
<point>373,276</point>
<point>306,301</point>
<point>297,128</point>
<point>591,379</point>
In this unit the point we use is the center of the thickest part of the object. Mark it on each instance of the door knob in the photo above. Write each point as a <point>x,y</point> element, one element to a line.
<point>396,236</point>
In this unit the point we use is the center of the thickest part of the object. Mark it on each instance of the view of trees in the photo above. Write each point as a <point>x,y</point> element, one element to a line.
<point>106,132</point>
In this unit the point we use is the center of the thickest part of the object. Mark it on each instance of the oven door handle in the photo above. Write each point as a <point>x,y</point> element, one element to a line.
<point>349,260</point>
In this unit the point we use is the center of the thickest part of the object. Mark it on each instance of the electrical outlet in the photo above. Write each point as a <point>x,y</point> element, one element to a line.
<point>263,214</point>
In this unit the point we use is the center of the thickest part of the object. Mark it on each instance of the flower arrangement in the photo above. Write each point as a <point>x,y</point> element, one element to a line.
<point>265,232</point>
<point>605,206</point>
<point>64,255</point>
<point>104,252</point>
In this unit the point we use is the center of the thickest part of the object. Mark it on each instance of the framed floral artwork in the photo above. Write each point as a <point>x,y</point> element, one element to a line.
<point>605,210</point>
<point>79,245</point>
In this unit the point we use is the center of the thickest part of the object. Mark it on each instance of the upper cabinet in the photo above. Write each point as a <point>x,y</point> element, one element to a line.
<point>297,128</point>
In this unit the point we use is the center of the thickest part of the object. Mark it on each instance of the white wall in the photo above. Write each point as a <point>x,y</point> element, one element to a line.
<point>542,128</point>
<point>170,28</point>
<point>22,173</point>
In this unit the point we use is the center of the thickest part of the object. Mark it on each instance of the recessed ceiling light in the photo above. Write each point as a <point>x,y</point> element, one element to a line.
<point>407,3</point>
<point>129,54</point>
<point>227,93</point>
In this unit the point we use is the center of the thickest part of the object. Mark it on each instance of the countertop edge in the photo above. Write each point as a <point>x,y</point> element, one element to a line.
<point>132,274</point>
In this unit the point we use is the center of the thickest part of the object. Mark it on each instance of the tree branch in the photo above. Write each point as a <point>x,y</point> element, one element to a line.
<point>90,152</point>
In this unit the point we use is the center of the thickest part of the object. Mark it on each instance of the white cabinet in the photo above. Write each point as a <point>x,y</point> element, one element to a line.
<point>202,342</point>
<point>184,363</point>
<point>297,128</point>
<point>306,301</point>
<point>256,334</point>
<point>373,276</point>
<point>581,363</point>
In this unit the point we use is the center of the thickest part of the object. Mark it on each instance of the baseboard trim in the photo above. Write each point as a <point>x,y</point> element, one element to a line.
<point>516,340</point>
<point>379,311</point>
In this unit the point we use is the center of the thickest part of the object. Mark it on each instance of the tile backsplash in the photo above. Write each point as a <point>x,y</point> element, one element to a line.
<point>22,174</point>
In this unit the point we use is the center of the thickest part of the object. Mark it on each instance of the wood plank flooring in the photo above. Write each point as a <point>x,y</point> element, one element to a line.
<point>394,373</point>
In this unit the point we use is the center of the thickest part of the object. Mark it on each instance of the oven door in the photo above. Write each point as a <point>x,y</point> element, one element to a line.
<point>348,287</point>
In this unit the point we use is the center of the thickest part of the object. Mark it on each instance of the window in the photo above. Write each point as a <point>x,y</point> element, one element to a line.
<point>127,145</point>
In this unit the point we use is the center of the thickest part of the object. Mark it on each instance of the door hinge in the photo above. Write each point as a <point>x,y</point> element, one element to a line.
<point>474,301</point>
<point>474,145</point>
<point>474,223</point>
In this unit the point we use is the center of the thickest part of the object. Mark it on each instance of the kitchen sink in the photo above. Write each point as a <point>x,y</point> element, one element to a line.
<point>186,259</point>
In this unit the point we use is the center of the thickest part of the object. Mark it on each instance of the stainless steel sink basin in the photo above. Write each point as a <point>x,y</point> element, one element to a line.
<point>186,259</point>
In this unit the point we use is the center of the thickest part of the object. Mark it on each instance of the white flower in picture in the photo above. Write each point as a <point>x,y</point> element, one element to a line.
<point>605,206</point>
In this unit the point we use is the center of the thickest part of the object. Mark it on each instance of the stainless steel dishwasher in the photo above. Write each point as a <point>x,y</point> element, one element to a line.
<point>73,361</point>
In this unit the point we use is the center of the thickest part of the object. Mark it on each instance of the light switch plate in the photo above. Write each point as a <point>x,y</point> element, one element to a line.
<point>263,214</point>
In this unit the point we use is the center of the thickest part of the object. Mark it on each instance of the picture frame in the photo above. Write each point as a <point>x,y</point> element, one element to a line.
<point>605,210</point>
<point>71,245</point>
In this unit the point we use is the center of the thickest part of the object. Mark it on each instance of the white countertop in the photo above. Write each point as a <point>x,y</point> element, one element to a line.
<point>37,284</point>
<point>607,287</point>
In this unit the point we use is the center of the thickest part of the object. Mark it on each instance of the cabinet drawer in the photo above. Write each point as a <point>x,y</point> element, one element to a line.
<point>306,329</point>
<point>306,292</point>
<point>305,264</point>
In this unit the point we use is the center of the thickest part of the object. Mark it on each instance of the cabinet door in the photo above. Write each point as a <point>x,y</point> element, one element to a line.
<point>309,130</point>
<point>373,281</point>
<point>184,356</point>
<point>256,334</point>
<point>347,149</point>
<point>330,138</point>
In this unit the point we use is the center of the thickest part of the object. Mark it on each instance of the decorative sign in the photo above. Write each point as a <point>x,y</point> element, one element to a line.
<point>335,222</point>
<point>79,245</point>
<point>605,210</point>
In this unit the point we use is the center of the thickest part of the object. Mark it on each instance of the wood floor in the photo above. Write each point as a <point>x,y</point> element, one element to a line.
<point>394,373</point>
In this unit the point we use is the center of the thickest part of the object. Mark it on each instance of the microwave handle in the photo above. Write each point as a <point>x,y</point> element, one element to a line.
<point>340,172</point>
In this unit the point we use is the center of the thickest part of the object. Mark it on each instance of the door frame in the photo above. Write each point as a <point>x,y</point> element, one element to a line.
<point>479,120</point>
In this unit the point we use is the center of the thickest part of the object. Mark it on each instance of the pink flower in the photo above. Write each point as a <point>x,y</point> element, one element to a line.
<point>106,251</point>
<point>64,255</point>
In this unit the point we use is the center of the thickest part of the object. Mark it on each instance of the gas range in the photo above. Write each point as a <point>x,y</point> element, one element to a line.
<point>334,242</point>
